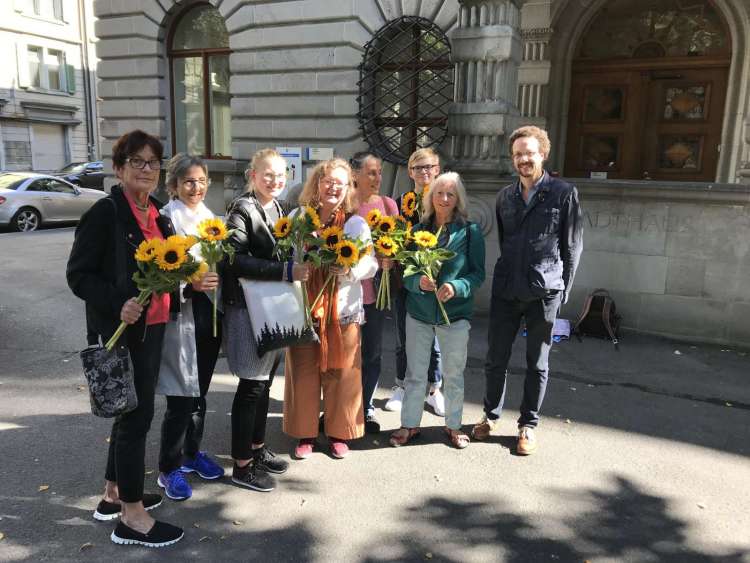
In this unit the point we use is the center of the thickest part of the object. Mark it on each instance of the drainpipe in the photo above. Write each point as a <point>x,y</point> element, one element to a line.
<point>88,94</point>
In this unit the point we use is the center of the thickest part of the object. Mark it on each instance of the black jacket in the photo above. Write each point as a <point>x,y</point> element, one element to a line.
<point>540,245</point>
<point>102,262</point>
<point>253,243</point>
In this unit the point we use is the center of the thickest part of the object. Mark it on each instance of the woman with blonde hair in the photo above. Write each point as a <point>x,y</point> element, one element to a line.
<point>332,365</point>
<point>251,218</point>
<point>445,216</point>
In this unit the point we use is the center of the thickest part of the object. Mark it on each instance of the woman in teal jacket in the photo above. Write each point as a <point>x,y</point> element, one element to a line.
<point>445,214</point>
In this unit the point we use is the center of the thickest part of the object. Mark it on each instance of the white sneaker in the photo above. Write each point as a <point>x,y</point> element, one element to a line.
<point>394,403</point>
<point>437,402</point>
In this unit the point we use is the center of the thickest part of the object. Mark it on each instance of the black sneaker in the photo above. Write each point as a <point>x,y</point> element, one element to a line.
<point>110,510</point>
<point>253,478</point>
<point>372,426</point>
<point>265,459</point>
<point>160,535</point>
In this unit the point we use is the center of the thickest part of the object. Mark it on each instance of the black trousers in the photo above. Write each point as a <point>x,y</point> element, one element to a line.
<point>505,320</point>
<point>127,442</point>
<point>249,415</point>
<point>184,419</point>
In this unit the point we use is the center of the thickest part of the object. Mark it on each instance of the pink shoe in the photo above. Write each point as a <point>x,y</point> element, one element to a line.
<point>339,449</point>
<point>304,448</point>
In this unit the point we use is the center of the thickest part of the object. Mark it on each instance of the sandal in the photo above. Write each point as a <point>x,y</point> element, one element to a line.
<point>458,439</point>
<point>403,436</point>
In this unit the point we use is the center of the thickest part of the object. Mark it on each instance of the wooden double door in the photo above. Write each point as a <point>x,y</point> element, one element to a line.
<point>658,120</point>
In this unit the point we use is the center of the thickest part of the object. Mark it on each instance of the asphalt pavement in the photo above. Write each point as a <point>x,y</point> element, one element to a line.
<point>644,456</point>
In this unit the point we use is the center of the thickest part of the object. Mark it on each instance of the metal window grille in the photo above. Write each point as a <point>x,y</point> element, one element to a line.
<point>405,88</point>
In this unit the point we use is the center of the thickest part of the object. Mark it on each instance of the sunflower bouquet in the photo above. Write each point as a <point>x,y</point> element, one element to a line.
<point>213,244</point>
<point>427,260</point>
<point>337,248</point>
<point>296,239</point>
<point>412,203</point>
<point>162,265</point>
<point>389,236</point>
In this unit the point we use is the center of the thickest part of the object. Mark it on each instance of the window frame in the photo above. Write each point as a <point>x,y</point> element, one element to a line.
<point>43,70</point>
<point>205,55</point>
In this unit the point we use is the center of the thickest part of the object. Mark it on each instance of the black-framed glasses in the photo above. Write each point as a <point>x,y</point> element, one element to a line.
<point>424,167</point>
<point>140,164</point>
<point>329,183</point>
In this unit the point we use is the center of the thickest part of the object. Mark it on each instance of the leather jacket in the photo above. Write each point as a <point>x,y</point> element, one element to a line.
<point>540,245</point>
<point>253,243</point>
<point>102,261</point>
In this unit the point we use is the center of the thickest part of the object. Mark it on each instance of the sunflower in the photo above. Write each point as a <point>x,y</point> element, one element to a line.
<point>212,229</point>
<point>386,246</point>
<point>332,236</point>
<point>190,241</point>
<point>373,217</point>
<point>147,250</point>
<point>425,239</point>
<point>314,218</point>
<point>184,241</point>
<point>282,228</point>
<point>409,203</point>
<point>386,225</point>
<point>171,255</point>
<point>202,269</point>
<point>347,253</point>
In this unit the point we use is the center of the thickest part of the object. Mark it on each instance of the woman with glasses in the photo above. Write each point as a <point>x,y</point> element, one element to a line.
<point>333,364</point>
<point>251,218</point>
<point>367,171</point>
<point>190,348</point>
<point>100,271</point>
<point>423,168</point>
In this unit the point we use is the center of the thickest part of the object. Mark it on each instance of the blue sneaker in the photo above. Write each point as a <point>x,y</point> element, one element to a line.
<point>203,466</point>
<point>175,485</point>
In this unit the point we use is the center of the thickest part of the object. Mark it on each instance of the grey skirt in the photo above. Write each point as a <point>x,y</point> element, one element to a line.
<point>241,348</point>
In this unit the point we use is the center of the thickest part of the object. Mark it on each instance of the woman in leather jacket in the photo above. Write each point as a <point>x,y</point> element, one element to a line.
<point>251,218</point>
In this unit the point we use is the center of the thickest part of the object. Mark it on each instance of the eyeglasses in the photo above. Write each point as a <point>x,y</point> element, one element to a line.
<point>424,167</point>
<point>329,183</point>
<point>140,164</point>
<point>268,177</point>
<point>520,155</point>
<point>193,184</point>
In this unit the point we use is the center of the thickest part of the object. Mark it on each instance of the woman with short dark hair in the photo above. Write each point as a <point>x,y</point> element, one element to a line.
<point>100,271</point>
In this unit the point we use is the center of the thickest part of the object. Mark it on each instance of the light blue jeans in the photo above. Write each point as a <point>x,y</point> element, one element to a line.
<point>453,341</point>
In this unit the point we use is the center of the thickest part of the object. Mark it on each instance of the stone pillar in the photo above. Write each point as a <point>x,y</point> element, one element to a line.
<point>487,51</point>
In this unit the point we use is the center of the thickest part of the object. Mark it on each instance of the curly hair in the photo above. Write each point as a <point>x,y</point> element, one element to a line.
<point>534,132</point>
<point>311,192</point>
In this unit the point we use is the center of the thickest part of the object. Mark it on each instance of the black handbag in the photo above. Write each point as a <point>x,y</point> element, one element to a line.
<point>111,384</point>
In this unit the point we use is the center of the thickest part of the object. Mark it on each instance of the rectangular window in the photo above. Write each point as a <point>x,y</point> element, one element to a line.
<point>34,55</point>
<point>51,9</point>
<point>54,62</point>
<point>189,113</point>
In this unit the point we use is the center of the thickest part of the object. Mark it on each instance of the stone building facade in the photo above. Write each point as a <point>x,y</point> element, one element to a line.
<point>47,84</point>
<point>646,102</point>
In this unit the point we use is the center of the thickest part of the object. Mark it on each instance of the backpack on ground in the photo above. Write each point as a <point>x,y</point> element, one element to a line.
<point>599,317</point>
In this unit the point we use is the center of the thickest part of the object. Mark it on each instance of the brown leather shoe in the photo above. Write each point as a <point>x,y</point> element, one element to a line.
<point>482,429</point>
<point>526,441</point>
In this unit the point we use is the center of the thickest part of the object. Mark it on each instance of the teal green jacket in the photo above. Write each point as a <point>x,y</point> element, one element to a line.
<point>465,272</point>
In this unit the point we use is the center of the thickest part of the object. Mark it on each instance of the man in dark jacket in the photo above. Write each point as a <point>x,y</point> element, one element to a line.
<point>540,233</point>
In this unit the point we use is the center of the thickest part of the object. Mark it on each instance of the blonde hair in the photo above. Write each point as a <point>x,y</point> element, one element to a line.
<point>260,157</point>
<point>419,154</point>
<point>534,132</point>
<point>311,192</point>
<point>462,204</point>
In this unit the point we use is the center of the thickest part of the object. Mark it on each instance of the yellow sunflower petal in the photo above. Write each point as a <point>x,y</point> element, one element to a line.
<point>386,224</point>
<point>314,218</point>
<point>373,217</point>
<point>386,246</point>
<point>425,239</point>
<point>282,228</point>
<point>212,229</point>
<point>347,253</point>
<point>202,269</point>
<point>171,255</point>
<point>146,250</point>
<point>409,203</point>
<point>332,236</point>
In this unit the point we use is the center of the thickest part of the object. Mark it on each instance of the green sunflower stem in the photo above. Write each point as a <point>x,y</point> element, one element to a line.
<point>322,289</point>
<point>142,299</point>
<point>212,268</point>
<point>442,308</point>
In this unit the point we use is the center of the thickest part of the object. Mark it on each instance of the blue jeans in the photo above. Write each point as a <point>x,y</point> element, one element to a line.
<point>372,348</point>
<point>505,319</point>
<point>453,340</point>
<point>433,370</point>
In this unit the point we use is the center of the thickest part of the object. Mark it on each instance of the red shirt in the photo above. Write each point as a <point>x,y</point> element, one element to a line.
<point>158,308</point>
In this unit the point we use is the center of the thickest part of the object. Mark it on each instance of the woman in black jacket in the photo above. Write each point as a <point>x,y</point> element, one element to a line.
<point>251,217</point>
<point>100,271</point>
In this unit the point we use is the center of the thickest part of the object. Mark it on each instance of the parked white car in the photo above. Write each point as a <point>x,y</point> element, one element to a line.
<point>28,200</point>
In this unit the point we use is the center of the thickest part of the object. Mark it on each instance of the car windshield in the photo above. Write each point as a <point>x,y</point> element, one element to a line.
<point>73,167</point>
<point>11,181</point>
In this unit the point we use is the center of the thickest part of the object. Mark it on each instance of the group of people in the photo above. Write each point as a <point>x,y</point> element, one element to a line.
<point>173,349</point>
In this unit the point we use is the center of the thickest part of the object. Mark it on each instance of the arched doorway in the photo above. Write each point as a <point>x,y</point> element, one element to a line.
<point>648,90</point>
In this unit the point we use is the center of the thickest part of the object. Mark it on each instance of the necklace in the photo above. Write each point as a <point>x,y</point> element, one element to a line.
<point>141,207</point>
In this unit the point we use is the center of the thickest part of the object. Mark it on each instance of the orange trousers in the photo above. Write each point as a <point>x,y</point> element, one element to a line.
<point>342,391</point>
